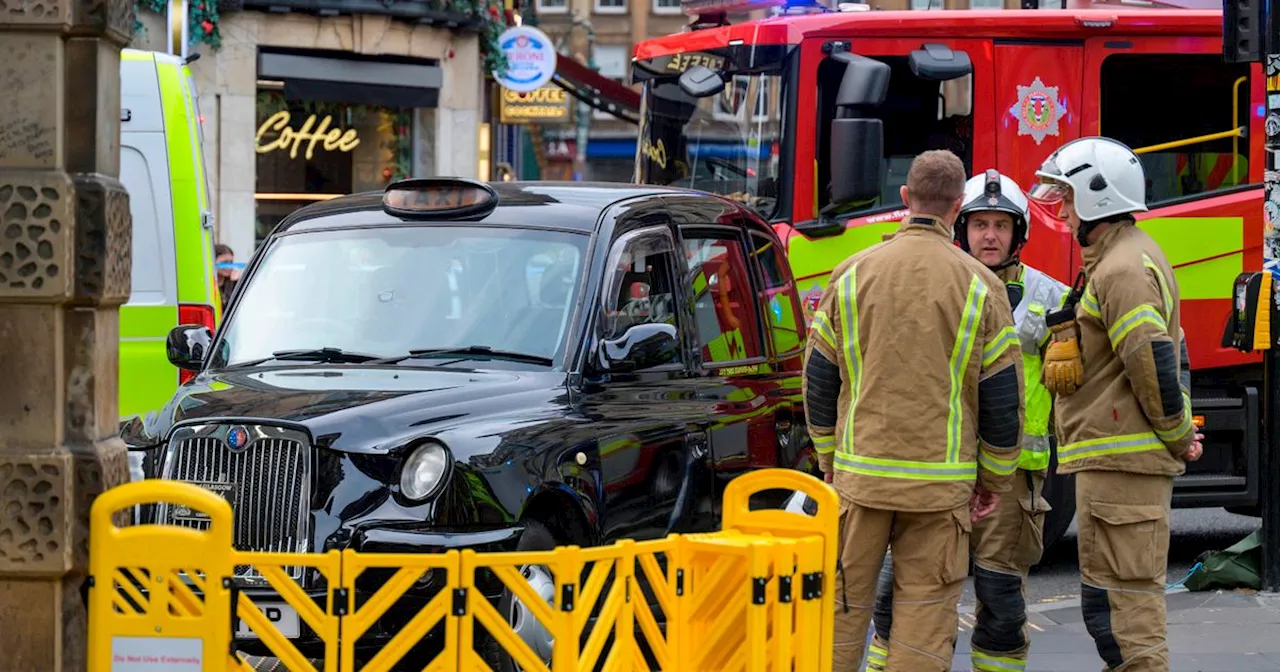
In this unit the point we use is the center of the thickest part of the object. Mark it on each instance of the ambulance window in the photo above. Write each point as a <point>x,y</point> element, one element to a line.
<point>918,115</point>
<point>1213,97</point>
<point>724,314</point>
<point>783,319</point>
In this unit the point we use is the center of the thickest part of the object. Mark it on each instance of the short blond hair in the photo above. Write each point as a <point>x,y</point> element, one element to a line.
<point>935,182</point>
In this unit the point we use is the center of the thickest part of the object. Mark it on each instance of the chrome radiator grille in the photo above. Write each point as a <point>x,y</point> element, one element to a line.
<point>263,472</point>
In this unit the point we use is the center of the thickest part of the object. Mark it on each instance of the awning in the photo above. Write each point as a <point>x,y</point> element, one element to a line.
<point>354,81</point>
<point>596,90</point>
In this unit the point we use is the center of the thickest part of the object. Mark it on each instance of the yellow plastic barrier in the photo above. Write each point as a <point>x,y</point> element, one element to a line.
<point>756,596</point>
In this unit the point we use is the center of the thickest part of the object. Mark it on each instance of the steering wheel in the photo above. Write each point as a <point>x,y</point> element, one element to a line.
<point>726,166</point>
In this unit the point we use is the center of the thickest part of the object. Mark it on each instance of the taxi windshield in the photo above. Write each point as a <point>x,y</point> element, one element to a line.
<point>386,292</point>
<point>728,143</point>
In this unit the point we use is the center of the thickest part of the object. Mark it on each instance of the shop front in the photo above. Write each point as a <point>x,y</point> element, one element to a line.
<point>330,125</point>
<point>300,108</point>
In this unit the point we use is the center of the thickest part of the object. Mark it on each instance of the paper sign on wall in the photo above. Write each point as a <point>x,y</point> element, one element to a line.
<point>157,654</point>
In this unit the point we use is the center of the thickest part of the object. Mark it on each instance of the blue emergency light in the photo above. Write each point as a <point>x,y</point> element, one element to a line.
<point>710,7</point>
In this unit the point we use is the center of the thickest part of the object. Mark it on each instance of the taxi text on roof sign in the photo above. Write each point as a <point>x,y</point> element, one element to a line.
<point>438,197</point>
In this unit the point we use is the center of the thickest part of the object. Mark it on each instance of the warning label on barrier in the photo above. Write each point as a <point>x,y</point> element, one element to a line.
<point>156,654</point>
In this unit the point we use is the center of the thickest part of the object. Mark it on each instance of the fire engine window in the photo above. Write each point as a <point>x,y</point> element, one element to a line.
<point>724,313</point>
<point>778,297</point>
<point>640,282</point>
<point>1212,98</point>
<point>918,115</point>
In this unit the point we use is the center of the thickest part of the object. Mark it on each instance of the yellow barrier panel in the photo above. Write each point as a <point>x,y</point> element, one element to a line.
<point>755,597</point>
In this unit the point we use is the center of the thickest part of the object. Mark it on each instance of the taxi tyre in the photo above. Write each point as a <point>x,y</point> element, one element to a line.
<point>536,537</point>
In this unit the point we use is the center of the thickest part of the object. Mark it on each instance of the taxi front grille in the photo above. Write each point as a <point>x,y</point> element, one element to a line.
<point>266,479</point>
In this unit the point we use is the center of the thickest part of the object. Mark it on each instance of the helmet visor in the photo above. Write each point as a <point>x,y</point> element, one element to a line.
<point>1048,192</point>
<point>1051,187</point>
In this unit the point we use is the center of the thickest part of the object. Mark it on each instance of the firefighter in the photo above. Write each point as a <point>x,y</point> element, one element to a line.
<point>1119,368</point>
<point>914,406</point>
<point>993,227</point>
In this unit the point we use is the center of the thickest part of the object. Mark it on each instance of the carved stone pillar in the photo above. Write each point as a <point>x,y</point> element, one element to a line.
<point>65,242</point>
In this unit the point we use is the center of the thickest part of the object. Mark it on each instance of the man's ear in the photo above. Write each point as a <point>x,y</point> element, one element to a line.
<point>902,191</point>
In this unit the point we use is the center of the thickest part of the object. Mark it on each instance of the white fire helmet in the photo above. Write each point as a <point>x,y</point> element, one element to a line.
<point>992,191</point>
<point>1105,177</point>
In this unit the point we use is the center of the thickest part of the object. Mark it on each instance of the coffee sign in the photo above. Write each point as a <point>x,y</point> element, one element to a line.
<point>331,139</point>
<point>546,105</point>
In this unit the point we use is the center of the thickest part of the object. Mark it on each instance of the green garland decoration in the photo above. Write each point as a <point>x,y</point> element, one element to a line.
<point>202,19</point>
<point>399,146</point>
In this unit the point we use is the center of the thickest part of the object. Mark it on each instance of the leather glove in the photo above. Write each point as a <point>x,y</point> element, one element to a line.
<point>1063,370</point>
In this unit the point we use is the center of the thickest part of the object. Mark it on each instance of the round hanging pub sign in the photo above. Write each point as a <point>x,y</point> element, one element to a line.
<point>531,59</point>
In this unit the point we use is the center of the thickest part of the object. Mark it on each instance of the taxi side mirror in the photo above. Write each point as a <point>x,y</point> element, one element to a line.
<point>187,346</point>
<point>641,346</point>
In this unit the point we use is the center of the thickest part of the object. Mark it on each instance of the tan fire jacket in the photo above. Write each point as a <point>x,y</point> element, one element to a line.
<point>913,374</point>
<point>1133,412</point>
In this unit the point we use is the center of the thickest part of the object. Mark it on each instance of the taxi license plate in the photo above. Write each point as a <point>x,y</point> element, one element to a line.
<point>282,616</point>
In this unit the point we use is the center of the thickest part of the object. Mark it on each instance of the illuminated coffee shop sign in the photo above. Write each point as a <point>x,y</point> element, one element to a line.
<point>309,135</point>
<point>546,105</point>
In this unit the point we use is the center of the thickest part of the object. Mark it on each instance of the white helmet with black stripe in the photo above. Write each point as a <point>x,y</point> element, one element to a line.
<point>992,191</point>
<point>1105,177</point>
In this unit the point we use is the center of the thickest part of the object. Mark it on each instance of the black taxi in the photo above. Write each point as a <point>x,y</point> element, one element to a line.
<point>513,365</point>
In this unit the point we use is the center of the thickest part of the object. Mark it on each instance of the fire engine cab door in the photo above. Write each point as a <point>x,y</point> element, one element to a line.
<point>1037,103</point>
<point>918,115</point>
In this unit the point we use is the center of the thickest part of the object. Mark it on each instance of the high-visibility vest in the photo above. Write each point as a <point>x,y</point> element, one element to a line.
<point>1040,294</point>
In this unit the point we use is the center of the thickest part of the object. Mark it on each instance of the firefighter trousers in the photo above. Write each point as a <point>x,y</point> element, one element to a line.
<point>1123,522</point>
<point>931,561</point>
<point>1004,545</point>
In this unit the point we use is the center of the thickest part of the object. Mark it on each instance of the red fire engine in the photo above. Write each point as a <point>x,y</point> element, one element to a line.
<point>773,111</point>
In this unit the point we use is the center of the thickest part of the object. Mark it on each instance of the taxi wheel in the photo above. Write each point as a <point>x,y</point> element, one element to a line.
<point>536,537</point>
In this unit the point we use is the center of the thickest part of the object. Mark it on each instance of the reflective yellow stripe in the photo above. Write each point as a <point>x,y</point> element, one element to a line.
<point>919,471</point>
<point>1111,445</point>
<point>985,663</point>
<point>824,444</point>
<point>1183,427</point>
<point>960,363</point>
<point>1090,304</point>
<point>1164,286</point>
<point>847,297</point>
<point>1002,466</point>
<point>877,658</point>
<point>992,351</point>
<point>822,327</point>
<point>1143,314</point>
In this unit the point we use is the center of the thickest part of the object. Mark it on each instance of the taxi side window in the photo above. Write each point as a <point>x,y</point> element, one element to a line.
<point>784,322</point>
<point>723,307</point>
<point>640,282</point>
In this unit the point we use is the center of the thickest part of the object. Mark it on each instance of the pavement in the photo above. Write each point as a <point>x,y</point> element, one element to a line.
<point>1221,631</point>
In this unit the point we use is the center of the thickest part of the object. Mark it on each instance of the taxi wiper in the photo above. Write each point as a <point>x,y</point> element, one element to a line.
<point>327,355</point>
<point>472,350</point>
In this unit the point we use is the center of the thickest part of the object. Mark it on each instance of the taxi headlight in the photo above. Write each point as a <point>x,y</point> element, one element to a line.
<point>424,471</point>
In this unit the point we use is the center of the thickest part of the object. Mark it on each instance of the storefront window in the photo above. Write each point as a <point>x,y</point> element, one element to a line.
<point>310,151</point>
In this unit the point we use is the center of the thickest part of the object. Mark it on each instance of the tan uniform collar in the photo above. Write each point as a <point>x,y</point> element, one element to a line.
<point>914,224</point>
<point>1010,273</point>
<point>1094,253</point>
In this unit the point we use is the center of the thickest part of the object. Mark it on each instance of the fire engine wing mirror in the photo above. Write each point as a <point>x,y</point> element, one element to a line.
<point>700,81</point>
<point>857,144</point>
<point>865,82</point>
<point>939,63</point>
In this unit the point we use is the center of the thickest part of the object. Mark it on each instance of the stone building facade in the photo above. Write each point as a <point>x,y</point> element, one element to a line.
<point>250,189</point>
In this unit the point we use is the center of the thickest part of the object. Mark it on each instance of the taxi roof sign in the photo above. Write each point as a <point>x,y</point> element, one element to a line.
<point>438,197</point>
